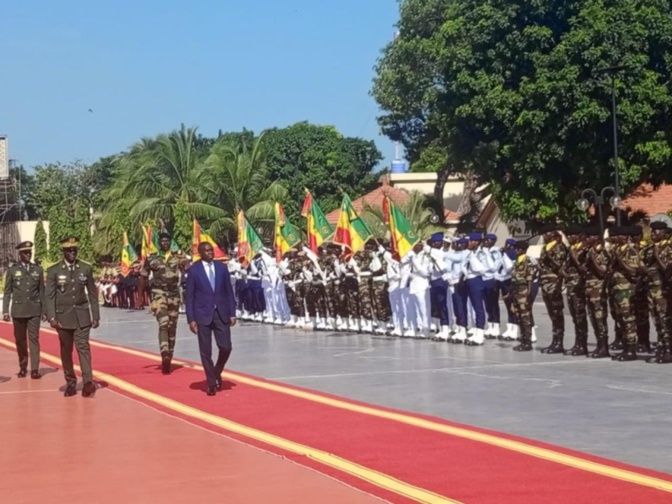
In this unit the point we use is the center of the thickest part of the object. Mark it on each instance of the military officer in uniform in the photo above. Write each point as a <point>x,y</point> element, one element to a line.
<point>24,286</point>
<point>165,269</point>
<point>72,309</point>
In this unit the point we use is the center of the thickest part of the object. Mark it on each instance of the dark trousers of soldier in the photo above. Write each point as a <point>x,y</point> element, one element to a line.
<point>596,302</point>
<point>438,295</point>
<point>381,302</point>
<point>315,300</point>
<point>618,328</point>
<point>491,299</point>
<point>366,298</point>
<point>351,293</point>
<point>659,304</point>
<point>167,310</point>
<point>505,288</point>
<point>551,293</point>
<point>257,298</point>
<point>475,289</point>
<point>295,302</point>
<point>622,292</point>
<point>642,319</point>
<point>520,304</point>
<point>79,338</point>
<point>27,332</point>
<point>576,298</point>
<point>241,292</point>
<point>460,296</point>
<point>339,304</point>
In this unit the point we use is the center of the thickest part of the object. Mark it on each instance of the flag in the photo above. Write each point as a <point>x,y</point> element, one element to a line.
<point>319,229</point>
<point>402,236</point>
<point>249,243</point>
<point>128,256</point>
<point>201,237</point>
<point>149,245</point>
<point>287,236</point>
<point>351,231</point>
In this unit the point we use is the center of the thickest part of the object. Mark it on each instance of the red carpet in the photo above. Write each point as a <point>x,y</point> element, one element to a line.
<point>448,465</point>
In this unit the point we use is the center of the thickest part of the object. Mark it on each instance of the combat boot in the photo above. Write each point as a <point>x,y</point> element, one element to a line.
<point>580,346</point>
<point>556,345</point>
<point>166,359</point>
<point>663,354</point>
<point>618,343</point>
<point>602,349</point>
<point>629,353</point>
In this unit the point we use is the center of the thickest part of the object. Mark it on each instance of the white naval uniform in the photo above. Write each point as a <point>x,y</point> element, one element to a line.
<point>394,292</point>
<point>419,290</point>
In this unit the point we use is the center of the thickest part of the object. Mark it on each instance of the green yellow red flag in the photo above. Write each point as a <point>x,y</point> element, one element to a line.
<point>287,236</point>
<point>249,242</point>
<point>149,245</point>
<point>351,231</point>
<point>318,228</point>
<point>402,236</point>
<point>199,237</point>
<point>128,256</point>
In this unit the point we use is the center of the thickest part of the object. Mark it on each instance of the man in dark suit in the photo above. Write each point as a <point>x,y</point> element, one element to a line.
<point>24,287</point>
<point>72,309</point>
<point>211,308</point>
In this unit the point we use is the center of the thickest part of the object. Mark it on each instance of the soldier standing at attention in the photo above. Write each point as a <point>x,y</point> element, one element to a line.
<point>625,266</point>
<point>520,293</point>
<point>553,257</point>
<point>24,286</point>
<point>72,309</point>
<point>574,273</point>
<point>597,262</point>
<point>655,258</point>
<point>165,305</point>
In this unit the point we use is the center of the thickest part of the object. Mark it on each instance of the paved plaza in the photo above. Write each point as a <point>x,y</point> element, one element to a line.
<point>621,411</point>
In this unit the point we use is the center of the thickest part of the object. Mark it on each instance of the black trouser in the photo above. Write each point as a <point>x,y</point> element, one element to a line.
<point>27,331</point>
<point>222,332</point>
<point>79,338</point>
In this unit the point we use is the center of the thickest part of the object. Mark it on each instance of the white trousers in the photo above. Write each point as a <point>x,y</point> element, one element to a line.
<point>423,310</point>
<point>397,306</point>
<point>408,307</point>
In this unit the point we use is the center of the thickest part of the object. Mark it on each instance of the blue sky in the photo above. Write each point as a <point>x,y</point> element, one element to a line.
<point>145,66</point>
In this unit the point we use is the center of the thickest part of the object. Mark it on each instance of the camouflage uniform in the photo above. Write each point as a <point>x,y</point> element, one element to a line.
<point>596,297</point>
<point>339,302</point>
<point>522,277</point>
<point>551,291</point>
<point>657,298</point>
<point>165,296</point>
<point>576,298</point>
<point>363,260</point>
<point>622,290</point>
<point>380,296</point>
<point>315,301</point>
<point>350,290</point>
<point>293,288</point>
<point>326,263</point>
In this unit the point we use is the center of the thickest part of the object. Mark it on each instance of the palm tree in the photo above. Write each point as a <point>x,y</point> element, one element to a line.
<point>161,180</point>
<point>416,211</point>
<point>235,178</point>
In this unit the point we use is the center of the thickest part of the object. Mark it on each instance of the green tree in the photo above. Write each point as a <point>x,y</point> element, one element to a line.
<point>509,89</point>
<point>57,184</point>
<point>417,212</point>
<point>160,180</point>
<point>319,158</point>
<point>72,219</point>
<point>40,240</point>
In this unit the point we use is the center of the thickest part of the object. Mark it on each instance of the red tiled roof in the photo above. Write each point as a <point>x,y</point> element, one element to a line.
<point>649,200</point>
<point>374,199</point>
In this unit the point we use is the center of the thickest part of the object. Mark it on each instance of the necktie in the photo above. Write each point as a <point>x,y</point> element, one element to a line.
<point>211,275</point>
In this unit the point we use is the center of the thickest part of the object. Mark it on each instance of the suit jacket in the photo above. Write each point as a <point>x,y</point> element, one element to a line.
<point>201,300</point>
<point>72,297</point>
<point>25,288</point>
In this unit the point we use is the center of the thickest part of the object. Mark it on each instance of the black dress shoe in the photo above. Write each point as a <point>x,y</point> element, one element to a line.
<point>70,390</point>
<point>89,389</point>
<point>22,373</point>
<point>211,391</point>
<point>35,375</point>
<point>218,384</point>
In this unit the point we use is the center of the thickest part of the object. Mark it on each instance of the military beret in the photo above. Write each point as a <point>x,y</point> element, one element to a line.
<point>69,242</point>
<point>522,245</point>
<point>593,231</point>
<point>511,242</point>
<point>491,236</point>
<point>164,235</point>
<point>462,241</point>
<point>436,237</point>
<point>575,229</point>
<point>550,228</point>
<point>475,237</point>
<point>618,231</point>
<point>26,245</point>
<point>659,225</point>
<point>635,230</point>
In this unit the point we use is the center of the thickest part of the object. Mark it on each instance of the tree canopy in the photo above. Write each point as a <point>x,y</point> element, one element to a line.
<point>511,91</point>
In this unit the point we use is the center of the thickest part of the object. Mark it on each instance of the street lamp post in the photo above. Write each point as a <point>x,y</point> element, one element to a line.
<point>612,71</point>
<point>583,203</point>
